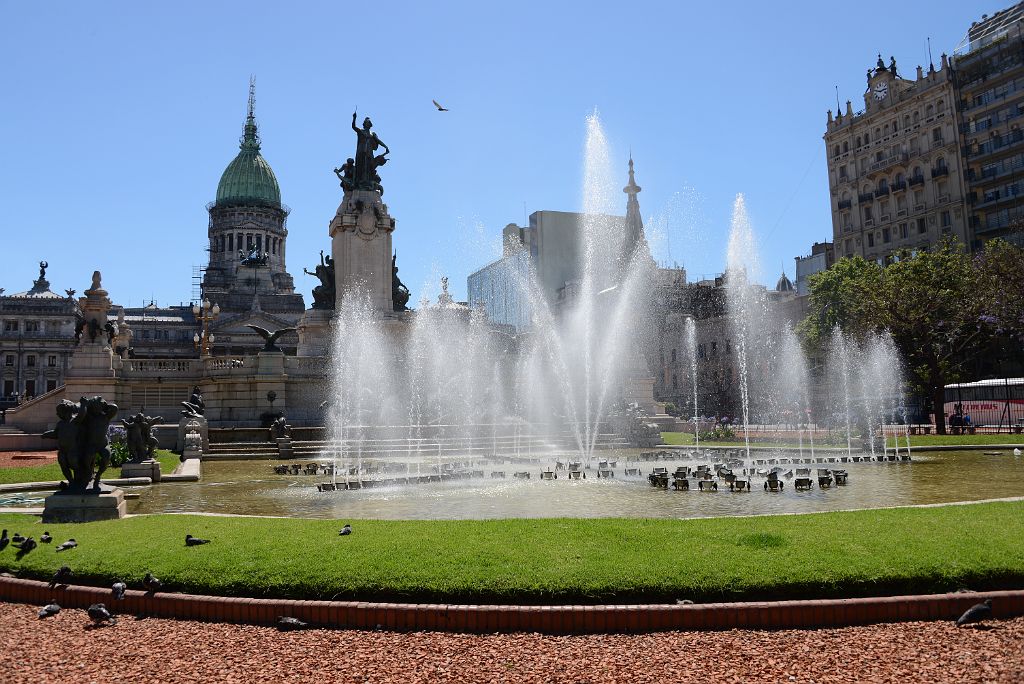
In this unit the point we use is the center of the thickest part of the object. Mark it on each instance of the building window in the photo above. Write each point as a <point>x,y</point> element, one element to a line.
<point>51,360</point>
<point>945,219</point>
<point>885,235</point>
<point>31,326</point>
<point>846,146</point>
<point>921,227</point>
<point>30,389</point>
<point>30,360</point>
<point>8,388</point>
<point>937,135</point>
<point>849,246</point>
<point>9,360</point>
<point>835,150</point>
<point>903,231</point>
<point>51,385</point>
<point>10,326</point>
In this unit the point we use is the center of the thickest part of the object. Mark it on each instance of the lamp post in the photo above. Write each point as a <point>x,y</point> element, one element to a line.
<point>205,313</point>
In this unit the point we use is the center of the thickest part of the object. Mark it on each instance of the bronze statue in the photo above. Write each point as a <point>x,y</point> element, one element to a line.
<point>270,338</point>
<point>280,428</point>
<point>94,329</point>
<point>139,436</point>
<point>81,435</point>
<point>399,292</point>
<point>323,294</point>
<point>111,329</point>
<point>346,173</point>
<point>364,170</point>
<point>196,401</point>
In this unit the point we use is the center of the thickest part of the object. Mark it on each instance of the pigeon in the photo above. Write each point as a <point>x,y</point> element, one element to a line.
<point>99,614</point>
<point>4,540</point>
<point>1016,451</point>
<point>976,613</point>
<point>48,610</point>
<point>118,589</point>
<point>286,624</point>
<point>346,530</point>
<point>439,107</point>
<point>194,541</point>
<point>61,576</point>
<point>46,538</point>
<point>69,544</point>
<point>151,583</point>
<point>26,545</point>
<point>17,538</point>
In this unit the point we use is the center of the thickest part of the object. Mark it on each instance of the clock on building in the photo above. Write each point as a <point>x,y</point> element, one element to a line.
<point>881,91</point>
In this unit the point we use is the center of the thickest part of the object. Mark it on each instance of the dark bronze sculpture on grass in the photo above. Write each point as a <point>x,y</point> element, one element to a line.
<point>139,436</point>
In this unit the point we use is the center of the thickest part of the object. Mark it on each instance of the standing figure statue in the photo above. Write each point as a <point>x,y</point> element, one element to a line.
<point>197,400</point>
<point>82,447</point>
<point>140,439</point>
<point>364,173</point>
<point>399,292</point>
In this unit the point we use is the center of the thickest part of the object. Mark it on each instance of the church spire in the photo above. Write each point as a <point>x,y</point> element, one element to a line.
<point>250,136</point>
<point>634,234</point>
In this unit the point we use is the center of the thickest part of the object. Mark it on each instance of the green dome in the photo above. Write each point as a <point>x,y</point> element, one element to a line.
<point>248,179</point>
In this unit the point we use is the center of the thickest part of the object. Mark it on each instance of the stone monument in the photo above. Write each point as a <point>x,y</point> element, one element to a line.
<point>83,454</point>
<point>192,417</point>
<point>141,443</point>
<point>361,229</point>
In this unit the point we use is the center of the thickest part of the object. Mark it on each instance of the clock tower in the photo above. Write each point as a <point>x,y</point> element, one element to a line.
<point>882,83</point>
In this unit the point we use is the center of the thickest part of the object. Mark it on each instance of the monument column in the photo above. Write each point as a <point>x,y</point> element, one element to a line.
<point>361,229</point>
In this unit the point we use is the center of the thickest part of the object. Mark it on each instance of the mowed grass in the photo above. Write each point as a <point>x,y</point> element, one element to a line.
<point>953,440</point>
<point>686,439</point>
<point>51,471</point>
<point>912,550</point>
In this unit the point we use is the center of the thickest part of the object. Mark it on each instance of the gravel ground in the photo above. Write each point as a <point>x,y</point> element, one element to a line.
<point>26,458</point>
<point>167,651</point>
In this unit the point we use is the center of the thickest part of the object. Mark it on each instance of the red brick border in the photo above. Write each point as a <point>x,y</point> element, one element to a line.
<point>547,619</point>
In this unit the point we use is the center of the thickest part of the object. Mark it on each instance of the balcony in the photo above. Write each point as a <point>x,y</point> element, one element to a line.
<point>865,196</point>
<point>916,180</point>
<point>940,171</point>
<point>943,199</point>
<point>845,204</point>
<point>899,186</point>
<point>882,192</point>
<point>884,218</point>
<point>901,212</point>
<point>868,223</point>
<point>918,207</point>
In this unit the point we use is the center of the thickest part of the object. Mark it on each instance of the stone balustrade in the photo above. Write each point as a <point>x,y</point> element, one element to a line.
<point>148,368</point>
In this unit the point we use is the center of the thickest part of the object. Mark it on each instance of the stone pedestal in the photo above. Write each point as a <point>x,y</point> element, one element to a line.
<point>105,504</point>
<point>183,429</point>
<point>314,329</point>
<point>361,248</point>
<point>149,468</point>
<point>284,447</point>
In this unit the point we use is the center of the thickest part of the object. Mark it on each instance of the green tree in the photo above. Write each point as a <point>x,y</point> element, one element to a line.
<point>934,304</point>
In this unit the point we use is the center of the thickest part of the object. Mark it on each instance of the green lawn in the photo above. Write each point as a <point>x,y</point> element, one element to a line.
<point>942,440</point>
<point>51,471</point>
<point>561,560</point>
<point>686,438</point>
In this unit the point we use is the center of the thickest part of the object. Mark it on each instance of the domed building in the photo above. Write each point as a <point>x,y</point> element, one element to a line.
<point>247,276</point>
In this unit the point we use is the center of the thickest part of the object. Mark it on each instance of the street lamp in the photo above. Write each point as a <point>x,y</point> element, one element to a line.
<point>205,313</point>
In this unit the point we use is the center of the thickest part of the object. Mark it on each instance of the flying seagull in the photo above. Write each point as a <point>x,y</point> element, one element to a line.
<point>270,338</point>
<point>976,613</point>
<point>439,107</point>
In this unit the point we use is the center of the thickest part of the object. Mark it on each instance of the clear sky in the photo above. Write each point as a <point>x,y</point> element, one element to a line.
<point>118,118</point>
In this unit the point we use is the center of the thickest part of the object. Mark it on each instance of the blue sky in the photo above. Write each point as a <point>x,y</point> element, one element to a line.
<point>118,118</point>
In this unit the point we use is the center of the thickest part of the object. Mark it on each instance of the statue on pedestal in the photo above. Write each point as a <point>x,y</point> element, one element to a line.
<point>140,439</point>
<point>81,435</point>
<point>323,294</point>
<point>363,171</point>
<point>399,292</point>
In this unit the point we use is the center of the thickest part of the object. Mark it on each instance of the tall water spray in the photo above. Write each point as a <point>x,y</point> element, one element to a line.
<point>745,304</point>
<point>691,348</point>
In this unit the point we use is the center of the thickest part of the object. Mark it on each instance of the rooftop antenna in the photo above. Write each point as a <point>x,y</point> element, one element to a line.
<point>931,64</point>
<point>837,98</point>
